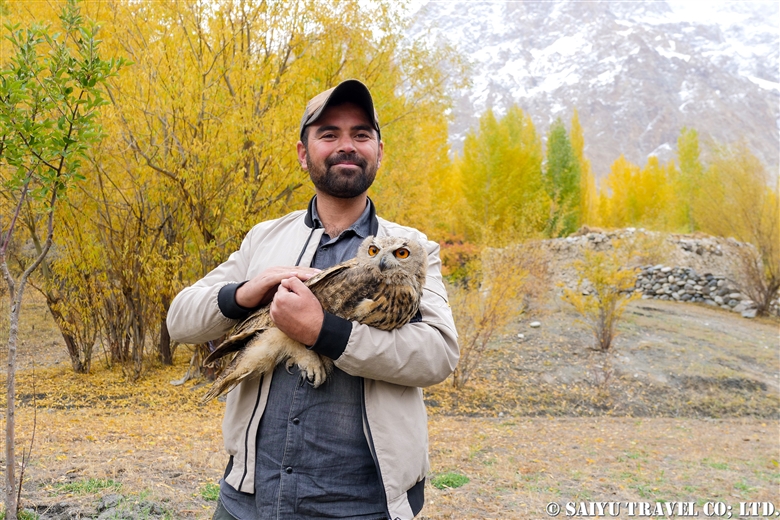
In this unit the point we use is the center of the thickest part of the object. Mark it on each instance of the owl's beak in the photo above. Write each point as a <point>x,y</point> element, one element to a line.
<point>383,263</point>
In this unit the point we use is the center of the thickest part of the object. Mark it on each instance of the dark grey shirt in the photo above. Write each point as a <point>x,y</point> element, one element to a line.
<point>313,460</point>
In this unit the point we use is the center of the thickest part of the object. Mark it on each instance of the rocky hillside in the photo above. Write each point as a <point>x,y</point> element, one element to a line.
<point>687,268</point>
<point>637,72</point>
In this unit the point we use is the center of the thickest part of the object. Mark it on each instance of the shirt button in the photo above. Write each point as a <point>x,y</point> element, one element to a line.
<point>288,470</point>
<point>296,421</point>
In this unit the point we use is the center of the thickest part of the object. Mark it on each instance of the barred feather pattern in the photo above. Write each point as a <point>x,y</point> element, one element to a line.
<point>380,287</point>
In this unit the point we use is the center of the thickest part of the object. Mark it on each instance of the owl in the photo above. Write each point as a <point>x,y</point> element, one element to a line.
<point>380,287</point>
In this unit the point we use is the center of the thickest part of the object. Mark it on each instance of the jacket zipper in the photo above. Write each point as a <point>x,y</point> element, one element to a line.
<point>246,435</point>
<point>370,440</point>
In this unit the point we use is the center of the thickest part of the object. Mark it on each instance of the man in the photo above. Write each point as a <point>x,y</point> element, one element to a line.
<point>355,447</point>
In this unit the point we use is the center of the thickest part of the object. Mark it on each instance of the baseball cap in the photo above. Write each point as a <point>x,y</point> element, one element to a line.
<point>348,91</point>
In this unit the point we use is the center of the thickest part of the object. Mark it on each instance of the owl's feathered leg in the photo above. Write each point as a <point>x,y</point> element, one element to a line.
<point>315,368</point>
<point>262,353</point>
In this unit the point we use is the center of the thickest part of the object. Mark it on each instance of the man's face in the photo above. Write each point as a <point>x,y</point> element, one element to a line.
<point>342,153</point>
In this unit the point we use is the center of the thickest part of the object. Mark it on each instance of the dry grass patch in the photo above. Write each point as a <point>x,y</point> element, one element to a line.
<point>516,466</point>
<point>149,440</point>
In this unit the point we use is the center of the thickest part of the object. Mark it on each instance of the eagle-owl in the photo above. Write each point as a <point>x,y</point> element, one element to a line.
<point>380,287</point>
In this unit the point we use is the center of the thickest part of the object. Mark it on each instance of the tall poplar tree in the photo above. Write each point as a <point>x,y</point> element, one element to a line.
<point>690,175</point>
<point>501,178</point>
<point>562,181</point>
<point>588,190</point>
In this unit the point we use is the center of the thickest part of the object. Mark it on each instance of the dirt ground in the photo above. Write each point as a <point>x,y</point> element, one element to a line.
<point>685,409</point>
<point>668,360</point>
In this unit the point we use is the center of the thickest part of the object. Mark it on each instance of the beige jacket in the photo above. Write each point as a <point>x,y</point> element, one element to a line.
<point>395,365</point>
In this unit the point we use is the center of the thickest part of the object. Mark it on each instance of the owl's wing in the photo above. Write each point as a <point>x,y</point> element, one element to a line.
<point>329,275</point>
<point>256,322</point>
<point>260,320</point>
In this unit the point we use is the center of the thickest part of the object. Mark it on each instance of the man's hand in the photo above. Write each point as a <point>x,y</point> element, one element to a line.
<point>297,312</point>
<point>261,289</point>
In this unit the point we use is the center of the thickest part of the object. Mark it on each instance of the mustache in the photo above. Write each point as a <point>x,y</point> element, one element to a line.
<point>353,158</point>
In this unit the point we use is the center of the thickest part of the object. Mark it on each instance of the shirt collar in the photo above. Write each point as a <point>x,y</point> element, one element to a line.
<point>364,226</point>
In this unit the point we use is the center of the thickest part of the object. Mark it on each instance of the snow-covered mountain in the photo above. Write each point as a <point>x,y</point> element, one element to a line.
<point>636,71</point>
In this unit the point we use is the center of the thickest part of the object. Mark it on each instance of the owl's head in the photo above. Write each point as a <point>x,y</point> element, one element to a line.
<point>394,259</point>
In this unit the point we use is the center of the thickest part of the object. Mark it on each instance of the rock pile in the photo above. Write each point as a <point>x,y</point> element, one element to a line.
<point>718,258</point>
<point>685,285</point>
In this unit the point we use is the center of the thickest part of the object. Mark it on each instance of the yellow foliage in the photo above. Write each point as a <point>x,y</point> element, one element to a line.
<point>604,280</point>
<point>500,175</point>
<point>201,140</point>
<point>488,300</point>
<point>588,191</point>
<point>639,196</point>
<point>738,201</point>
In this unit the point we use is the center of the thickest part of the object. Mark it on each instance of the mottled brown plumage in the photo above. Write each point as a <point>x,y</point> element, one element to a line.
<point>380,287</point>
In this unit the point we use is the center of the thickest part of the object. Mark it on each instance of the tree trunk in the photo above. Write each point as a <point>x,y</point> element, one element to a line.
<point>164,346</point>
<point>11,504</point>
<point>79,366</point>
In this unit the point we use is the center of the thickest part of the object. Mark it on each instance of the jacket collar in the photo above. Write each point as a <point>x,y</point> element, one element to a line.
<point>310,222</point>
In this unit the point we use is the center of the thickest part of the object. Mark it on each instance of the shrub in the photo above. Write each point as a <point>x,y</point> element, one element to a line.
<point>604,289</point>
<point>488,297</point>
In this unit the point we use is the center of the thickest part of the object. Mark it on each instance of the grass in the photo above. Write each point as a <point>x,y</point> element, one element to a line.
<point>716,465</point>
<point>23,515</point>
<point>88,486</point>
<point>450,479</point>
<point>210,492</point>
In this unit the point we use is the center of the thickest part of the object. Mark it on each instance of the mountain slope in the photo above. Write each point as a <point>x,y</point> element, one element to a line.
<point>637,72</point>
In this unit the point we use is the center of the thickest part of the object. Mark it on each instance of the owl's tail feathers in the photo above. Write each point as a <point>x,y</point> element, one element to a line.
<point>259,355</point>
<point>230,345</point>
<point>227,379</point>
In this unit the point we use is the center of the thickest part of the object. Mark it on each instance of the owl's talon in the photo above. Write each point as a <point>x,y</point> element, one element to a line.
<point>288,366</point>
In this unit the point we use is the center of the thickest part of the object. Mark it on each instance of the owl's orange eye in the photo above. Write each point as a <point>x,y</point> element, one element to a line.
<point>401,253</point>
<point>372,250</point>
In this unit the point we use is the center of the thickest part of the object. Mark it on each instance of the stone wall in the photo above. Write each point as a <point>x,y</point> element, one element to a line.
<point>693,268</point>
<point>683,284</point>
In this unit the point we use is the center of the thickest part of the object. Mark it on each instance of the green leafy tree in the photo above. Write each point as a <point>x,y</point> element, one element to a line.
<point>50,94</point>
<point>562,181</point>
<point>689,175</point>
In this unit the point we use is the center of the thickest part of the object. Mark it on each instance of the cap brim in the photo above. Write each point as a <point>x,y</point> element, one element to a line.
<point>348,91</point>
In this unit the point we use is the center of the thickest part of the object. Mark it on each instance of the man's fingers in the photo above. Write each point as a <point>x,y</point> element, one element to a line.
<point>308,273</point>
<point>293,284</point>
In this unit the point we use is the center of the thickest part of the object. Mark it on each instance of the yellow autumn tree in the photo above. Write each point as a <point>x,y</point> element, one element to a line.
<point>588,190</point>
<point>604,289</point>
<point>688,179</point>
<point>737,200</point>
<point>500,174</point>
<point>618,201</point>
<point>201,144</point>
<point>638,196</point>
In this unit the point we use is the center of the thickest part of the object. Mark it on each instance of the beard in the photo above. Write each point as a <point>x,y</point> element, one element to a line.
<point>341,183</point>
